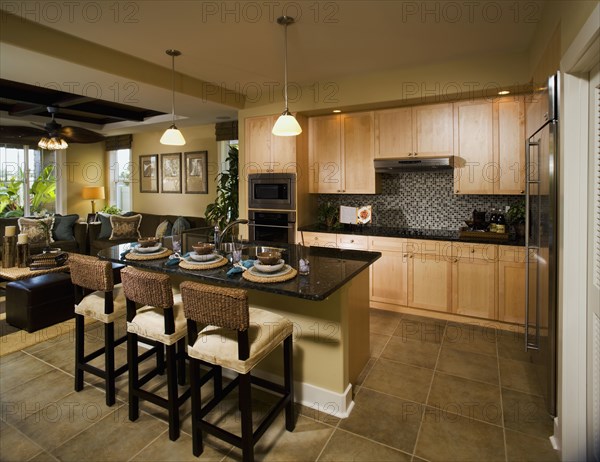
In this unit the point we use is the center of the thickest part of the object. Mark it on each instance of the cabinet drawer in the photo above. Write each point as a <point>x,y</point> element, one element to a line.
<point>514,254</point>
<point>320,239</point>
<point>469,251</point>
<point>349,241</point>
<point>426,247</point>
<point>393,244</point>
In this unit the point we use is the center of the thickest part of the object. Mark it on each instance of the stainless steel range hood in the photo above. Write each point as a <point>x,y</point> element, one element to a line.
<point>411,164</point>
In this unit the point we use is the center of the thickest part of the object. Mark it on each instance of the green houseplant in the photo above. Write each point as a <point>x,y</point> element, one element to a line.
<point>328,215</point>
<point>225,208</point>
<point>516,217</point>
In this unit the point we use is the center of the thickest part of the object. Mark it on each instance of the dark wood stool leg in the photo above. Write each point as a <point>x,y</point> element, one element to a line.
<point>172,392</point>
<point>109,362</point>
<point>181,355</point>
<point>246,409</point>
<point>288,374</point>
<point>132,360</point>
<point>197,446</point>
<point>160,358</point>
<point>217,381</point>
<point>79,351</point>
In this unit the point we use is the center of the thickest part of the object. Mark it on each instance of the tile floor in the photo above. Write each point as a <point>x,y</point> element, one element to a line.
<point>432,390</point>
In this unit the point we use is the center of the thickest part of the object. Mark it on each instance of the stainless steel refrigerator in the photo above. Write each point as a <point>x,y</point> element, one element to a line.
<point>541,202</point>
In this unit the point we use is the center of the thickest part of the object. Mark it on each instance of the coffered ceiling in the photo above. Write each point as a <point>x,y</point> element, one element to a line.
<point>232,49</point>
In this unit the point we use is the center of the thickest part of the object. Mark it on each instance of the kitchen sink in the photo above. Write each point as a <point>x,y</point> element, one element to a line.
<point>250,251</point>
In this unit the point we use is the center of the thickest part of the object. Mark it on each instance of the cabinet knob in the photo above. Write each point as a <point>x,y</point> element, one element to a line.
<point>410,154</point>
<point>522,191</point>
<point>456,260</point>
<point>457,190</point>
<point>405,255</point>
<point>410,256</point>
<point>416,154</point>
<point>351,241</point>
<point>472,250</point>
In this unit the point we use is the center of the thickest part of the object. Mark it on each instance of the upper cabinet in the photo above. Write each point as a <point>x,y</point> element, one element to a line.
<point>267,153</point>
<point>341,154</point>
<point>422,131</point>
<point>489,143</point>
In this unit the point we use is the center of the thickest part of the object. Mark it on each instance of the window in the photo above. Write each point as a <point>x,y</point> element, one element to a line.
<point>120,178</point>
<point>27,181</point>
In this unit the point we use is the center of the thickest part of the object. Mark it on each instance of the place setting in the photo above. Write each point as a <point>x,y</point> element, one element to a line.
<point>147,248</point>
<point>268,268</point>
<point>202,257</point>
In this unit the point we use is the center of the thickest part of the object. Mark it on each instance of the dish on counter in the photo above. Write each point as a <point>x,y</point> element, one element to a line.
<point>284,270</point>
<point>363,215</point>
<point>214,259</point>
<point>209,257</point>
<point>269,268</point>
<point>153,249</point>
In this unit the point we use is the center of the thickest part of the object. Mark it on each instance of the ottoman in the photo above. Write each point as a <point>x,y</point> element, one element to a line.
<point>40,301</point>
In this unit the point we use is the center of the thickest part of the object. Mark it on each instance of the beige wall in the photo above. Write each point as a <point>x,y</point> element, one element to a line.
<point>85,166</point>
<point>198,138</point>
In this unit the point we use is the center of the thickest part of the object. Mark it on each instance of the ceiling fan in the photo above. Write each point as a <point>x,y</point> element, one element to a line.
<point>49,136</point>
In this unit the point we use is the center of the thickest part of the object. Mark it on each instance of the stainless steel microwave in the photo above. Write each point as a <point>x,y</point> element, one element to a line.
<point>272,191</point>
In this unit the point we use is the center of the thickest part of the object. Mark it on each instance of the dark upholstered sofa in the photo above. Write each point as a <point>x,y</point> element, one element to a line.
<point>78,244</point>
<point>147,228</point>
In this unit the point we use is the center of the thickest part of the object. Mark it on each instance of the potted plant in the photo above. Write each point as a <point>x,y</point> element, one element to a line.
<point>224,209</point>
<point>516,217</point>
<point>328,215</point>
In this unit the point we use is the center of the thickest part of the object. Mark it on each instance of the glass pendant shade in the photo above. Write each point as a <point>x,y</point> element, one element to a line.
<point>52,144</point>
<point>286,125</point>
<point>172,136</point>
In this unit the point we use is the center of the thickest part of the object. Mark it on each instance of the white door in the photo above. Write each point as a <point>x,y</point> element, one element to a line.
<point>593,298</point>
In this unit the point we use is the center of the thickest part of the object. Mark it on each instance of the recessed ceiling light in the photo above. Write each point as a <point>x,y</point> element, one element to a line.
<point>504,92</point>
<point>337,110</point>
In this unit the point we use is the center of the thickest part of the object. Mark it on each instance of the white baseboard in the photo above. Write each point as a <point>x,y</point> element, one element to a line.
<point>555,439</point>
<point>326,401</point>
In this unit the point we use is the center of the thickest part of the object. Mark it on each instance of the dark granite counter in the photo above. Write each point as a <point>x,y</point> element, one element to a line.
<point>330,269</point>
<point>410,233</point>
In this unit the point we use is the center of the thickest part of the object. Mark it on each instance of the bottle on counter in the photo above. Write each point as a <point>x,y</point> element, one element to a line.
<point>493,220</point>
<point>500,222</point>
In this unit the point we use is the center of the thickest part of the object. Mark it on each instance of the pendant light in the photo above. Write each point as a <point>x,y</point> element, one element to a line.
<point>286,124</point>
<point>172,136</point>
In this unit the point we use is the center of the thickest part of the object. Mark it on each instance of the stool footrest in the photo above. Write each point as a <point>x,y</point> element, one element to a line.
<point>93,370</point>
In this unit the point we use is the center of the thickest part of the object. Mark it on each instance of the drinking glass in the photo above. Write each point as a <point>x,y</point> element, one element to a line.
<point>236,248</point>
<point>176,242</point>
<point>303,259</point>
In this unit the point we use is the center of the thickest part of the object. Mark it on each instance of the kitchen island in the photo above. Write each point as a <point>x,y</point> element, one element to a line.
<point>329,309</point>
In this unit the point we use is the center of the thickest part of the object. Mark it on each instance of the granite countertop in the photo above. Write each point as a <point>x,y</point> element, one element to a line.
<point>410,233</point>
<point>330,269</point>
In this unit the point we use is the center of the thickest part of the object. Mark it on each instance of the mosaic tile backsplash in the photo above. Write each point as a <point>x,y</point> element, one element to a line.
<point>420,200</point>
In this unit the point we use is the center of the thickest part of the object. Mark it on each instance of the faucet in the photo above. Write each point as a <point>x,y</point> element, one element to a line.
<point>220,235</point>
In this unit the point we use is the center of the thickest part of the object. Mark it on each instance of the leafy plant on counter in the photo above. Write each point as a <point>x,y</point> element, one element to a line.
<point>111,210</point>
<point>225,207</point>
<point>328,215</point>
<point>516,213</point>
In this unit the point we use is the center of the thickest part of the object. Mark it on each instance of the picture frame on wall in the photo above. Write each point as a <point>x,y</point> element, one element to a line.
<point>170,170</point>
<point>149,173</point>
<point>196,172</point>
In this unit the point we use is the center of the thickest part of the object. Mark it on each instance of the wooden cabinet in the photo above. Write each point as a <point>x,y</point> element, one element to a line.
<point>474,275</point>
<point>265,152</point>
<point>352,241</point>
<point>421,131</point>
<point>319,239</point>
<point>389,274</point>
<point>429,275</point>
<point>489,142</point>
<point>511,284</point>
<point>341,154</point>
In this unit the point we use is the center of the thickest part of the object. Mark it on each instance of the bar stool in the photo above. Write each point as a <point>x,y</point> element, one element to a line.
<point>160,319</point>
<point>238,338</point>
<point>98,298</point>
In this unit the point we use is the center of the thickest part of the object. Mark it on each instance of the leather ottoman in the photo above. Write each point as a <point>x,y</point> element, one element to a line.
<point>40,301</point>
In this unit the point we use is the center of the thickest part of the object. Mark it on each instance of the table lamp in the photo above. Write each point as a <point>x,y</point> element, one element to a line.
<point>92,193</point>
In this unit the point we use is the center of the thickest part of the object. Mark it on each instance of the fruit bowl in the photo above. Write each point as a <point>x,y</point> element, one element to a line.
<point>202,248</point>
<point>269,258</point>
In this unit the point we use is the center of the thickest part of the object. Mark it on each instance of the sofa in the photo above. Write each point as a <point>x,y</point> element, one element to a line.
<point>77,241</point>
<point>148,227</point>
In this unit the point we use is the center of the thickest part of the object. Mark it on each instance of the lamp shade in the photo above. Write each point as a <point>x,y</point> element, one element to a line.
<point>286,125</point>
<point>93,192</point>
<point>173,137</point>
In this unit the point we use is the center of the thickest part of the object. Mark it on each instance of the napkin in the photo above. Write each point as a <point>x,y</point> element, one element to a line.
<point>174,259</point>
<point>129,249</point>
<point>237,269</point>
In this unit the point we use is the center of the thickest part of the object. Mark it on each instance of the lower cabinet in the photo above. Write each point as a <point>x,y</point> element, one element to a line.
<point>389,274</point>
<point>429,282</point>
<point>318,239</point>
<point>511,284</point>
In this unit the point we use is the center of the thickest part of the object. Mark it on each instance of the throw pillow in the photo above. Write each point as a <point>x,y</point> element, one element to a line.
<point>63,227</point>
<point>105,226</point>
<point>164,229</point>
<point>180,225</point>
<point>35,231</point>
<point>125,227</point>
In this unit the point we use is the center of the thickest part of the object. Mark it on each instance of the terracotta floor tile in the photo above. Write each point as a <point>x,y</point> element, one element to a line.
<point>401,380</point>
<point>414,352</point>
<point>346,446</point>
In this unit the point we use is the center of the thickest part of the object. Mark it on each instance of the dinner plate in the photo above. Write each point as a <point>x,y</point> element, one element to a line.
<point>363,214</point>
<point>204,263</point>
<point>153,249</point>
<point>268,268</point>
<point>285,270</point>
<point>203,258</point>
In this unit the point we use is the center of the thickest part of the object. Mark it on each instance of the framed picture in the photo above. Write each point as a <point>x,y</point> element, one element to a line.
<point>170,169</point>
<point>149,173</point>
<point>196,172</point>
<point>91,218</point>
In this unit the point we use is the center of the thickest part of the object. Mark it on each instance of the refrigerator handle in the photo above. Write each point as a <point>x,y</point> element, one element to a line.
<point>528,180</point>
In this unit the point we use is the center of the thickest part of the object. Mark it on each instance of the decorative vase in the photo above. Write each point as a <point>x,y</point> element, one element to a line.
<point>9,249</point>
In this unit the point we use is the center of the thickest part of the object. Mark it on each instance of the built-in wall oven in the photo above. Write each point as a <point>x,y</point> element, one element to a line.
<point>272,226</point>
<point>272,191</point>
